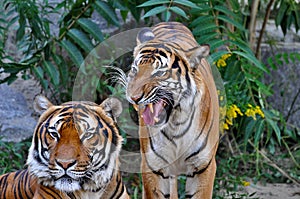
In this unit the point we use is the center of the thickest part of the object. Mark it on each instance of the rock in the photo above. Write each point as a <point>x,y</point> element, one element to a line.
<point>16,122</point>
<point>285,82</point>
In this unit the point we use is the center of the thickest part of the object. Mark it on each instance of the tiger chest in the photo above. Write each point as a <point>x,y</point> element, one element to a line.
<point>173,156</point>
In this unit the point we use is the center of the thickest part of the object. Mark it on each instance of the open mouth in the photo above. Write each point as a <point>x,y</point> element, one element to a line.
<point>156,113</point>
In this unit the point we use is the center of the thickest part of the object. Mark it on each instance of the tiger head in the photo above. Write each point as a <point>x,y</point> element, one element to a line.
<point>75,145</point>
<point>162,76</point>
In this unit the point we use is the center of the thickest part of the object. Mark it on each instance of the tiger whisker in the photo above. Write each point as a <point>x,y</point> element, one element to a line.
<point>119,74</point>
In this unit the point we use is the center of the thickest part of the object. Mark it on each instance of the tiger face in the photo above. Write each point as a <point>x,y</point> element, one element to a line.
<point>75,145</point>
<point>163,76</point>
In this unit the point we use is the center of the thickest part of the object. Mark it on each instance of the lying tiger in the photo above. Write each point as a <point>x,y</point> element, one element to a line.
<point>74,154</point>
<point>171,86</point>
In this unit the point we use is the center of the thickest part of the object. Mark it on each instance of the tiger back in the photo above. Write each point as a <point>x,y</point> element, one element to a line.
<point>74,154</point>
<point>171,86</point>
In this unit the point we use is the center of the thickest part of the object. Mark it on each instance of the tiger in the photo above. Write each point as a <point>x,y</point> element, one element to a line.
<point>171,86</point>
<point>74,154</point>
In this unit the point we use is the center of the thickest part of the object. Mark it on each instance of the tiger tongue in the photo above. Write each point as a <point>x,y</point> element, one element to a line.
<point>149,116</point>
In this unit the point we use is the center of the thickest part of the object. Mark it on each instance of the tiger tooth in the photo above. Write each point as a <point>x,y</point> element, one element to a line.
<point>151,107</point>
<point>156,119</point>
<point>136,107</point>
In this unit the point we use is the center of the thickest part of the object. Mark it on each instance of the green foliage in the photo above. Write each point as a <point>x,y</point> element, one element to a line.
<point>13,156</point>
<point>287,14</point>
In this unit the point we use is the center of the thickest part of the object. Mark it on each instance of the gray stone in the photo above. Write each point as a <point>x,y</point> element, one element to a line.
<point>285,82</point>
<point>16,122</point>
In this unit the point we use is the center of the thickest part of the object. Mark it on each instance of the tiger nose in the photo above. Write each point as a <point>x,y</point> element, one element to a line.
<point>65,164</point>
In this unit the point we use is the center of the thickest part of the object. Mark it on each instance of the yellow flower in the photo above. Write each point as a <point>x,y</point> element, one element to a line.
<point>232,112</point>
<point>252,111</point>
<point>225,126</point>
<point>259,111</point>
<point>226,56</point>
<point>245,183</point>
<point>221,62</point>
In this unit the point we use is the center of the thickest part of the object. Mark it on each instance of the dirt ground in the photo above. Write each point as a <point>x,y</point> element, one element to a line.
<point>274,191</point>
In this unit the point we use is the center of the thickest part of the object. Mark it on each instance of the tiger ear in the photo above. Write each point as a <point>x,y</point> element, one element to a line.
<point>41,103</point>
<point>194,56</point>
<point>112,107</point>
<point>144,35</point>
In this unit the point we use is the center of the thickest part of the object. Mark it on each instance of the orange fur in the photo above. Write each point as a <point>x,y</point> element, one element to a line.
<point>65,158</point>
<point>170,68</point>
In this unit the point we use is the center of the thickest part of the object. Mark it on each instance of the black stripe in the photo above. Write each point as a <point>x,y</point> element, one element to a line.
<point>170,139</point>
<point>189,195</point>
<point>167,195</point>
<point>188,126</point>
<point>200,171</point>
<point>162,54</point>
<point>27,180</point>
<point>50,193</point>
<point>203,144</point>
<point>71,195</point>
<point>156,172</point>
<point>118,186</point>
<point>152,147</point>
<point>5,184</point>
<point>202,129</point>
<point>65,114</point>
<point>20,185</point>
<point>65,109</point>
<point>122,190</point>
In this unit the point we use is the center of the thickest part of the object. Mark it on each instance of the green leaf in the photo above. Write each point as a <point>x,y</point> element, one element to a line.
<point>178,11</point>
<point>39,72</point>
<point>286,58</point>
<point>216,43</point>
<point>118,4</point>
<point>63,68</point>
<point>153,2</point>
<point>107,12</point>
<point>202,19</point>
<point>263,88</point>
<point>21,29</point>
<point>73,51</point>
<point>271,120</point>
<point>231,21</point>
<point>276,129</point>
<point>92,28</point>
<point>271,63</point>
<point>155,11</point>
<point>204,29</point>
<point>52,72</point>
<point>252,59</point>
<point>258,132</point>
<point>249,128</point>
<point>186,3</point>
<point>167,15</point>
<point>281,13</point>
<point>81,39</point>
<point>242,45</point>
<point>216,56</point>
<point>206,38</point>
<point>226,11</point>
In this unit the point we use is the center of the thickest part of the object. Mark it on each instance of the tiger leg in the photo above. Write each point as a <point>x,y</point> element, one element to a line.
<point>156,186</point>
<point>200,184</point>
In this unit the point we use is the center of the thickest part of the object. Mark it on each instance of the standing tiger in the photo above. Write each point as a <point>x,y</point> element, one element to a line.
<point>74,154</point>
<point>171,86</point>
